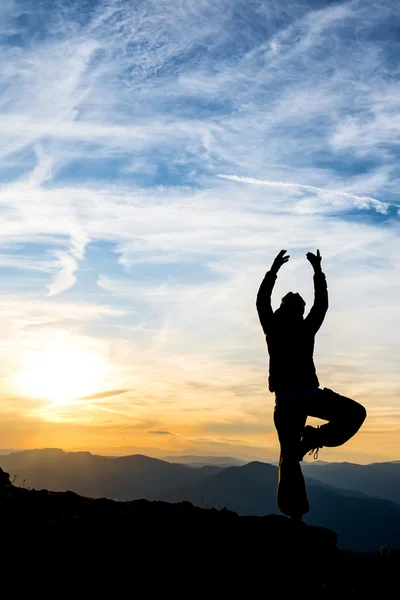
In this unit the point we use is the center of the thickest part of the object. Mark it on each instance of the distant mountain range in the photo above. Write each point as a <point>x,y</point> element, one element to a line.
<point>119,478</point>
<point>381,480</point>
<point>202,461</point>
<point>363,522</point>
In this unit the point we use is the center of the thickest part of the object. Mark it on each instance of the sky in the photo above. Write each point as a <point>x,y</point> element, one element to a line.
<point>155,157</point>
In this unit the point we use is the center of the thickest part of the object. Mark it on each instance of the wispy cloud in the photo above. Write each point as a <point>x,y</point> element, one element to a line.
<point>360,201</point>
<point>105,394</point>
<point>68,262</point>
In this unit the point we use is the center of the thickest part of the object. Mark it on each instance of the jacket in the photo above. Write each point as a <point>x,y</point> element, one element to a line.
<point>290,342</point>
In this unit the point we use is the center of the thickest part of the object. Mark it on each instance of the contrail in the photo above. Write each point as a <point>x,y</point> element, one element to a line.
<point>83,403</point>
<point>111,410</point>
<point>362,201</point>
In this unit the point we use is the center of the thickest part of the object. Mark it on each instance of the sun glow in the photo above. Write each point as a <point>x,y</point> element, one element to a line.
<point>60,374</point>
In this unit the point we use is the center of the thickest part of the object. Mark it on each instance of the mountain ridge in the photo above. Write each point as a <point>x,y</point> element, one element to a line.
<point>249,489</point>
<point>60,541</point>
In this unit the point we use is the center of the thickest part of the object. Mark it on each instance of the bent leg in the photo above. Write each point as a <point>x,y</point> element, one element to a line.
<point>344,415</point>
<point>289,421</point>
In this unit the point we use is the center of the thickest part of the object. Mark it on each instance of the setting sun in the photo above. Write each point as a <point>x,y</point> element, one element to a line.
<point>60,374</point>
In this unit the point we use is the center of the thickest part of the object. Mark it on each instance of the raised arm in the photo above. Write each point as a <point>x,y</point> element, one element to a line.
<point>263,302</point>
<point>317,313</point>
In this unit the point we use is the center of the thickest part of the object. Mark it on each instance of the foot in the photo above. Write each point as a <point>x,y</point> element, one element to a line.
<point>309,443</point>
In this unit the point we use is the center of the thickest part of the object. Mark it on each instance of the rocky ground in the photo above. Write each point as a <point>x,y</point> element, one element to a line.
<point>58,543</point>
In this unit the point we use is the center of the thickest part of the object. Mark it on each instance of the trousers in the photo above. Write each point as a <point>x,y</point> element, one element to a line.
<point>344,418</point>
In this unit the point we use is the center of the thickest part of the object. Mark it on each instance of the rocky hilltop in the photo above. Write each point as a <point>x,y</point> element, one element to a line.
<point>62,543</point>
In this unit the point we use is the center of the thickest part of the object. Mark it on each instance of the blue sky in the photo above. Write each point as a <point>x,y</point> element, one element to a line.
<point>155,158</point>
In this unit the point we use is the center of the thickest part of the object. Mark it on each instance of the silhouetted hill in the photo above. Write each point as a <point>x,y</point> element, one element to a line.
<point>362,522</point>
<point>120,478</point>
<point>59,544</point>
<point>381,480</point>
<point>201,461</point>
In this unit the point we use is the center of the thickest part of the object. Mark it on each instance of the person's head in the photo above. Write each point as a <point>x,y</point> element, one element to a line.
<point>292,306</point>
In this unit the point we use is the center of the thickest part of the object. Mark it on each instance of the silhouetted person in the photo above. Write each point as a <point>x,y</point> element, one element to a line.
<point>292,376</point>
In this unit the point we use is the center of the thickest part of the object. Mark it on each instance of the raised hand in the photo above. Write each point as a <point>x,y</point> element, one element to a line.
<point>315,260</point>
<point>280,260</point>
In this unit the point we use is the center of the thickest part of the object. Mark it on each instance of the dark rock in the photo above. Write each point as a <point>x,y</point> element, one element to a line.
<point>4,478</point>
<point>61,543</point>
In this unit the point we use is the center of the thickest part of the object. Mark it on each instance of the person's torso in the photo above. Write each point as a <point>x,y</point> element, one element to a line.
<point>291,349</point>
